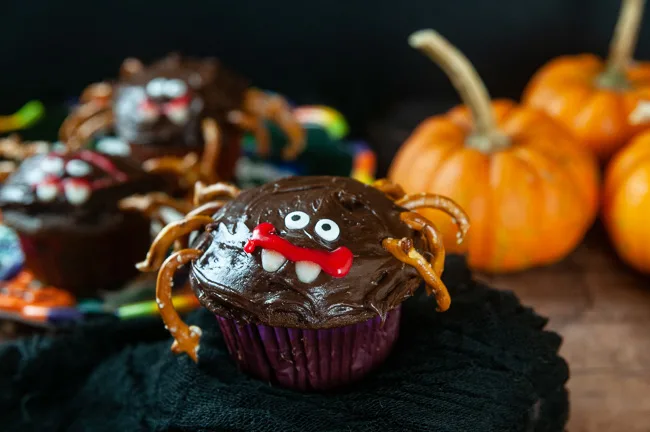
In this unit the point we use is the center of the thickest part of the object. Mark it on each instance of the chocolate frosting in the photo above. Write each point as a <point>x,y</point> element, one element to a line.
<point>232,282</point>
<point>77,187</point>
<point>198,88</point>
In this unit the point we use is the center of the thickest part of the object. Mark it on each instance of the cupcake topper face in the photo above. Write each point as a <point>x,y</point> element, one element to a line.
<point>161,109</point>
<point>163,102</point>
<point>307,252</point>
<point>64,179</point>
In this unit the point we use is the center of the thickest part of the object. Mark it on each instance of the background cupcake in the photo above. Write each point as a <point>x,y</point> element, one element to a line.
<point>64,207</point>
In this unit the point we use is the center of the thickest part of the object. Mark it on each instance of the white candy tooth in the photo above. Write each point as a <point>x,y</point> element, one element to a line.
<point>271,260</point>
<point>76,194</point>
<point>46,192</point>
<point>307,271</point>
<point>178,115</point>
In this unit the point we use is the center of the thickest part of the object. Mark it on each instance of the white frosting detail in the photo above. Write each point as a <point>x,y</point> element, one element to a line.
<point>241,233</point>
<point>13,193</point>
<point>34,176</point>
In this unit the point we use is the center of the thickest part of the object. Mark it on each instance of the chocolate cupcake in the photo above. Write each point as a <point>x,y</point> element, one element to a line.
<point>160,110</point>
<point>64,208</point>
<point>305,275</point>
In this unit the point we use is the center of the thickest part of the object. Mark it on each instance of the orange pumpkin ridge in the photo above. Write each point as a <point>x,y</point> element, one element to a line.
<point>626,202</point>
<point>605,103</point>
<point>530,191</point>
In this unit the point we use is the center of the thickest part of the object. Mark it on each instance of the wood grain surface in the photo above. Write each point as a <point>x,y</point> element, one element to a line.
<point>602,310</point>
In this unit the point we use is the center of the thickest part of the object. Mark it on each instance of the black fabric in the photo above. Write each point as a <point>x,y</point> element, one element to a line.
<point>485,365</point>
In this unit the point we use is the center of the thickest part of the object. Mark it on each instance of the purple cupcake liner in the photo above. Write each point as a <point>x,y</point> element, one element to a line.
<point>304,359</point>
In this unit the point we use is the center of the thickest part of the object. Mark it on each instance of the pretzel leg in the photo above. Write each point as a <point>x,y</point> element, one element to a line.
<point>83,123</point>
<point>394,191</point>
<point>434,240</point>
<point>256,126</point>
<point>166,238</point>
<point>100,92</point>
<point>211,150</point>
<point>204,194</point>
<point>186,338</point>
<point>207,209</point>
<point>404,251</point>
<point>276,109</point>
<point>438,202</point>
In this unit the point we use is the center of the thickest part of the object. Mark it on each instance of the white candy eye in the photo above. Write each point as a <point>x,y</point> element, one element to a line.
<point>77,168</point>
<point>327,229</point>
<point>174,88</point>
<point>296,220</point>
<point>52,165</point>
<point>156,87</point>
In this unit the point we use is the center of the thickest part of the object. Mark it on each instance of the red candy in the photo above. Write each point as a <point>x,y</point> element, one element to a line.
<point>336,263</point>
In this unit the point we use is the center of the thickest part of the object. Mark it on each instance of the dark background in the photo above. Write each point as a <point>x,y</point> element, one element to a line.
<point>350,54</point>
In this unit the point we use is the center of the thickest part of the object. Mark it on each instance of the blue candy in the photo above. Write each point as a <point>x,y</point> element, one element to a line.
<point>11,256</point>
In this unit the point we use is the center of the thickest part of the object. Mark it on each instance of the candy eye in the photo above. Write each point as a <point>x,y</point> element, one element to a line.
<point>52,165</point>
<point>77,168</point>
<point>156,87</point>
<point>296,220</point>
<point>174,88</point>
<point>327,229</point>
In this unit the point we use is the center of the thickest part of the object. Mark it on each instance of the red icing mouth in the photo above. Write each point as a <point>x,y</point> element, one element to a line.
<point>104,163</point>
<point>336,263</point>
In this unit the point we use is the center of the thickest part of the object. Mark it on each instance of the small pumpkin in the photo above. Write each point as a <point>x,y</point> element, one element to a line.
<point>626,202</point>
<point>531,192</point>
<point>604,103</point>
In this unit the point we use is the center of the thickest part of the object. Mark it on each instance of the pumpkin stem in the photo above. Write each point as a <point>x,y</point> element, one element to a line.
<point>623,44</point>
<point>470,87</point>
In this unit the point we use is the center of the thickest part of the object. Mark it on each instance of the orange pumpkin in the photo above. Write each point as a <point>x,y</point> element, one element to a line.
<point>603,103</point>
<point>531,192</point>
<point>626,202</point>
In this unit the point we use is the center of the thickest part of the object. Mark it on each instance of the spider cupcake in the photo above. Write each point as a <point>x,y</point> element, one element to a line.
<point>169,108</point>
<point>64,208</point>
<point>305,275</point>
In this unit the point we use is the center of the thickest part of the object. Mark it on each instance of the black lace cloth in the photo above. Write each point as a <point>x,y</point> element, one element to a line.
<point>485,365</point>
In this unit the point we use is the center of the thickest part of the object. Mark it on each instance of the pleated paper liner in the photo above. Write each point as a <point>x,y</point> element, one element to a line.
<point>304,359</point>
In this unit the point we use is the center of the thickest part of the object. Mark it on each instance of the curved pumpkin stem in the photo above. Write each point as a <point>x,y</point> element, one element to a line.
<point>186,338</point>
<point>625,38</point>
<point>470,87</point>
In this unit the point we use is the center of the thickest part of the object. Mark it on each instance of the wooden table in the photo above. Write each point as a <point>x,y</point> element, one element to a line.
<point>602,310</point>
